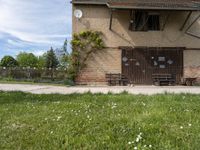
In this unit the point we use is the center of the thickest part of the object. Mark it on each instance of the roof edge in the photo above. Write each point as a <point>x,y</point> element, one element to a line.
<point>88,3</point>
<point>109,5</point>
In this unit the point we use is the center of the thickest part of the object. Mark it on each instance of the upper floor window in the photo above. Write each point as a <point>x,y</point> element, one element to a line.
<point>144,21</point>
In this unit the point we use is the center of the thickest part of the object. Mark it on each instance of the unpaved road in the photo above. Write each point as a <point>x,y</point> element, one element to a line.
<point>146,90</point>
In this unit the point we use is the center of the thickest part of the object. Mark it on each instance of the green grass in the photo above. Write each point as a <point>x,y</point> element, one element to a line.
<point>99,121</point>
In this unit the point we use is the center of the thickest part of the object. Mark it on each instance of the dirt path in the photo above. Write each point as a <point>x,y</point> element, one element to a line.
<point>48,89</point>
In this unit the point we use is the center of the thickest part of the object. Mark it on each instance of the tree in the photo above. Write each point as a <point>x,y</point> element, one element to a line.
<point>51,59</point>
<point>27,59</point>
<point>8,61</point>
<point>64,61</point>
<point>62,55</point>
<point>41,61</point>
<point>65,47</point>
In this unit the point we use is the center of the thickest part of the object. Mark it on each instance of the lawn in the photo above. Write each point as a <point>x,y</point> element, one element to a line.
<point>99,121</point>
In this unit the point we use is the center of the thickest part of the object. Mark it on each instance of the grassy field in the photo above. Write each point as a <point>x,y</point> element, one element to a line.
<point>99,121</point>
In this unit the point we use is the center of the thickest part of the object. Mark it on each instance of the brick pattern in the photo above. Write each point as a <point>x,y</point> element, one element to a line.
<point>102,62</point>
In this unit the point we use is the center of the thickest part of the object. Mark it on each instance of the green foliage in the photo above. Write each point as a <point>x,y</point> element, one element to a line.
<point>98,121</point>
<point>27,59</point>
<point>83,45</point>
<point>64,56</point>
<point>51,59</point>
<point>8,61</point>
<point>65,46</point>
<point>41,61</point>
<point>64,61</point>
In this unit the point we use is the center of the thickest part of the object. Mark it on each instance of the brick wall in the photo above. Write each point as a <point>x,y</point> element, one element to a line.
<point>192,64</point>
<point>101,62</point>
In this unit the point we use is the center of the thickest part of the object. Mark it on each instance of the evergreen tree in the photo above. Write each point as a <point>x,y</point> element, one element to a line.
<point>51,59</point>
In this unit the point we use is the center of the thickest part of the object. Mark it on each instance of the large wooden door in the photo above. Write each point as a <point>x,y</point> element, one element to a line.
<point>139,64</point>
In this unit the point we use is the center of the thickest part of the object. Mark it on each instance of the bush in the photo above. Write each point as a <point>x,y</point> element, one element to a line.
<point>8,61</point>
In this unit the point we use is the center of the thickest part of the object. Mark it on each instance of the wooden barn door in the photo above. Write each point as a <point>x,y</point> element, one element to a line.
<point>139,64</point>
<point>135,66</point>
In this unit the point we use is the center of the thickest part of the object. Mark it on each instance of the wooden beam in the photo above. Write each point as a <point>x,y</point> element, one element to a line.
<point>187,30</point>
<point>192,34</point>
<point>111,18</point>
<point>192,23</point>
<point>167,18</point>
<point>186,20</point>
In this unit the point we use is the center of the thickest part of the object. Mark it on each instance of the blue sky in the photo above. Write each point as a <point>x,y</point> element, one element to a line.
<point>33,25</point>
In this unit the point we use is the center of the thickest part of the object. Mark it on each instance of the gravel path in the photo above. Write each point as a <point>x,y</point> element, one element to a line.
<point>146,90</point>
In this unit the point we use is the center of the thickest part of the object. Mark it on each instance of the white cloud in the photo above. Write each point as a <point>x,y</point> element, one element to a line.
<point>46,23</point>
<point>39,53</point>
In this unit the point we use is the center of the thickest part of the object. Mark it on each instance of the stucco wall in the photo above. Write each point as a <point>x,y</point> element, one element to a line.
<point>98,18</point>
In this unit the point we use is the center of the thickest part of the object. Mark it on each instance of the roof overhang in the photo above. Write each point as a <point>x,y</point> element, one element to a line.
<point>88,2</point>
<point>176,5</point>
<point>153,6</point>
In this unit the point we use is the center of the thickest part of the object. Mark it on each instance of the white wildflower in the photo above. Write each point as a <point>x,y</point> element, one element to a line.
<point>139,137</point>
<point>137,140</point>
<point>145,145</point>
<point>51,132</point>
<point>129,143</point>
<point>135,148</point>
<point>143,104</point>
<point>113,107</point>
<point>58,118</point>
<point>150,146</point>
<point>189,124</point>
<point>181,127</point>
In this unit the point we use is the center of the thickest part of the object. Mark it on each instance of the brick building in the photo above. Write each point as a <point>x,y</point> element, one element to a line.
<point>142,37</point>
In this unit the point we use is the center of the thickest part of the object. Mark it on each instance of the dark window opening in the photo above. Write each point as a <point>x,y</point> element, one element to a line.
<point>153,22</point>
<point>142,21</point>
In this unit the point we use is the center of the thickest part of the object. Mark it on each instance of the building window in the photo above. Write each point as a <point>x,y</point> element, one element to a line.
<point>144,21</point>
<point>153,22</point>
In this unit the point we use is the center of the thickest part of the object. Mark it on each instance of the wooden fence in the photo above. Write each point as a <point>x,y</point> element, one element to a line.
<point>33,74</point>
